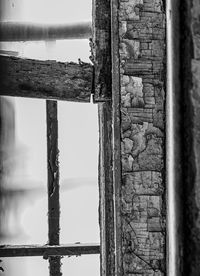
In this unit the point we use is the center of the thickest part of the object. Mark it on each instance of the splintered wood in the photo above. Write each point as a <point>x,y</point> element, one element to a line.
<point>45,79</point>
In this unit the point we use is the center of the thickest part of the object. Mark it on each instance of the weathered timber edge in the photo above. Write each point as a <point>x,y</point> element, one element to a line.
<point>106,190</point>
<point>101,49</point>
<point>45,79</point>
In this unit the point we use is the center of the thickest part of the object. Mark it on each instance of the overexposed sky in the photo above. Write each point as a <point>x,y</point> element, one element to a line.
<point>46,11</point>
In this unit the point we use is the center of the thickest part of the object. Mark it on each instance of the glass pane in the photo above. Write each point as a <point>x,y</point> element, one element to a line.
<point>25,266</point>
<point>78,266</point>
<point>59,50</point>
<point>24,179</point>
<point>78,145</point>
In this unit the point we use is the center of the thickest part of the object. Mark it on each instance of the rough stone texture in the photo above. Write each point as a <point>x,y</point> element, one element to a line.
<point>142,58</point>
<point>190,72</point>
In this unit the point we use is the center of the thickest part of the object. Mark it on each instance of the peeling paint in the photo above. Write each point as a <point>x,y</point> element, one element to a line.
<point>142,54</point>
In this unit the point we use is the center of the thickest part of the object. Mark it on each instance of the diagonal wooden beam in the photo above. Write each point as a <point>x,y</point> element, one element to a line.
<point>16,31</point>
<point>45,79</point>
<point>48,250</point>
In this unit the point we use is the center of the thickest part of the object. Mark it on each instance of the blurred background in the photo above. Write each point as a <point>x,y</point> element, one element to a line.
<point>23,168</point>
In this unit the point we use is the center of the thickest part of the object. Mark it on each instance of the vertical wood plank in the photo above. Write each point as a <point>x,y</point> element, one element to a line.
<point>116,132</point>
<point>106,190</point>
<point>53,184</point>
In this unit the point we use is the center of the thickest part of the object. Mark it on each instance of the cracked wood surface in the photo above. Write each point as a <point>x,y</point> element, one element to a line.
<point>45,79</point>
<point>142,59</point>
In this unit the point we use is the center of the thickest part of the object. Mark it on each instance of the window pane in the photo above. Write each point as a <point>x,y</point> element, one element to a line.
<point>83,265</point>
<point>78,145</point>
<point>59,50</point>
<point>25,266</point>
<point>24,179</point>
<point>30,266</point>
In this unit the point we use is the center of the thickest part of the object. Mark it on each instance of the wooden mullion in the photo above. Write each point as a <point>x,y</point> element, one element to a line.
<point>106,190</point>
<point>53,185</point>
<point>116,134</point>
<point>48,250</point>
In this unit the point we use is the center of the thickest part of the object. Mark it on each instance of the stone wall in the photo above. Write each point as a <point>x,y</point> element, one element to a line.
<point>142,75</point>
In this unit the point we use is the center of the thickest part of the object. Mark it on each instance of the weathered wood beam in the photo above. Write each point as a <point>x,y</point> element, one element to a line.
<point>48,250</point>
<point>45,79</point>
<point>15,31</point>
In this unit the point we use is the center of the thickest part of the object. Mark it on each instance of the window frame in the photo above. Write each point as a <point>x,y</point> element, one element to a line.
<point>53,251</point>
<point>105,92</point>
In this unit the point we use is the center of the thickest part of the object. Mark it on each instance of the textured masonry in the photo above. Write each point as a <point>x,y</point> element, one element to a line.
<point>142,75</point>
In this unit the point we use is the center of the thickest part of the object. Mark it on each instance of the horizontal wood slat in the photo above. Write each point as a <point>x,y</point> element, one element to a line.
<point>45,79</point>
<point>48,250</point>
